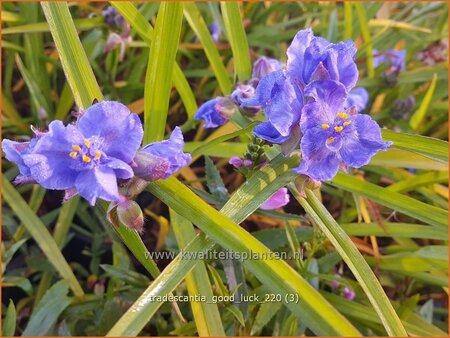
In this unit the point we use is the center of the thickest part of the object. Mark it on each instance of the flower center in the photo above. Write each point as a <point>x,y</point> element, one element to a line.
<point>341,121</point>
<point>88,152</point>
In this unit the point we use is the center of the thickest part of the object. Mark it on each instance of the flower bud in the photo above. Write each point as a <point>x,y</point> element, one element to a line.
<point>226,108</point>
<point>130,214</point>
<point>149,167</point>
<point>264,66</point>
<point>349,293</point>
<point>235,161</point>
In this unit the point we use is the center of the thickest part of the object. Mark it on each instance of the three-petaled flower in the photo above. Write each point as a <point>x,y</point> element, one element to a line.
<point>86,157</point>
<point>333,136</point>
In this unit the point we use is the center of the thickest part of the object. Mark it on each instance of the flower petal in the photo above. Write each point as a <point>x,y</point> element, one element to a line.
<point>358,149</point>
<point>318,161</point>
<point>328,97</point>
<point>279,199</point>
<point>170,150</point>
<point>120,130</point>
<point>14,152</point>
<point>49,162</point>
<point>357,97</point>
<point>296,54</point>
<point>267,132</point>
<point>121,169</point>
<point>100,182</point>
<point>208,113</point>
<point>264,66</point>
<point>341,65</point>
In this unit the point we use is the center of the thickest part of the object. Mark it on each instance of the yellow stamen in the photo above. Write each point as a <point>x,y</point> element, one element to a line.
<point>325,126</point>
<point>342,115</point>
<point>73,154</point>
<point>97,155</point>
<point>86,159</point>
<point>338,128</point>
<point>346,123</point>
<point>87,143</point>
<point>76,147</point>
<point>330,139</point>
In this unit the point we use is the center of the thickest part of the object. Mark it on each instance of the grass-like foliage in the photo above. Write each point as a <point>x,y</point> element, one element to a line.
<point>243,195</point>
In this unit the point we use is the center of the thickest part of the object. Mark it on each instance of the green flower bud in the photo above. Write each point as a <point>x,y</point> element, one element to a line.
<point>130,214</point>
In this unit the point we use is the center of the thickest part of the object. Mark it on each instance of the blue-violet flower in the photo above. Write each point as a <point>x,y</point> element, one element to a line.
<point>86,157</point>
<point>333,136</point>
<point>159,160</point>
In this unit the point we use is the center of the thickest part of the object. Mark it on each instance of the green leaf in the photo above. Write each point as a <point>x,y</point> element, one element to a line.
<point>47,312</point>
<point>276,274</point>
<point>11,17</point>
<point>223,149</point>
<point>129,277</point>
<point>237,38</point>
<point>142,27</point>
<point>17,281</point>
<point>198,25</point>
<point>37,97</point>
<point>80,24</point>
<point>363,22</point>
<point>402,230</point>
<point>236,313</point>
<point>399,158</point>
<point>76,66</point>
<point>158,79</point>
<point>414,325</point>
<point>206,315</point>
<point>9,322</point>
<point>265,313</point>
<point>138,315</point>
<point>348,20</point>
<point>419,181</point>
<point>354,260</point>
<point>40,234</point>
<point>419,115</point>
<point>426,146</point>
<point>214,181</point>
<point>219,140</point>
<point>65,218</point>
<point>407,205</point>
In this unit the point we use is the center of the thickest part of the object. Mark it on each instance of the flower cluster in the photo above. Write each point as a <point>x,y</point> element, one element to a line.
<point>89,156</point>
<point>311,103</point>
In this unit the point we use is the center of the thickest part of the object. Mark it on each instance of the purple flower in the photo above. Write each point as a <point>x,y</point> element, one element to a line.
<point>237,162</point>
<point>113,17</point>
<point>279,199</point>
<point>282,93</point>
<point>215,31</point>
<point>357,97</point>
<point>313,58</point>
<point>282,105</point>
<point>334,283</point>
<point>394,59</point>
<point>264,66</point>
<point>14,152</point>
<point>333,135</point>
<point>87,157</point>
<point>349,293</point>
<point>159,160</point>
<point>216,112</point>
